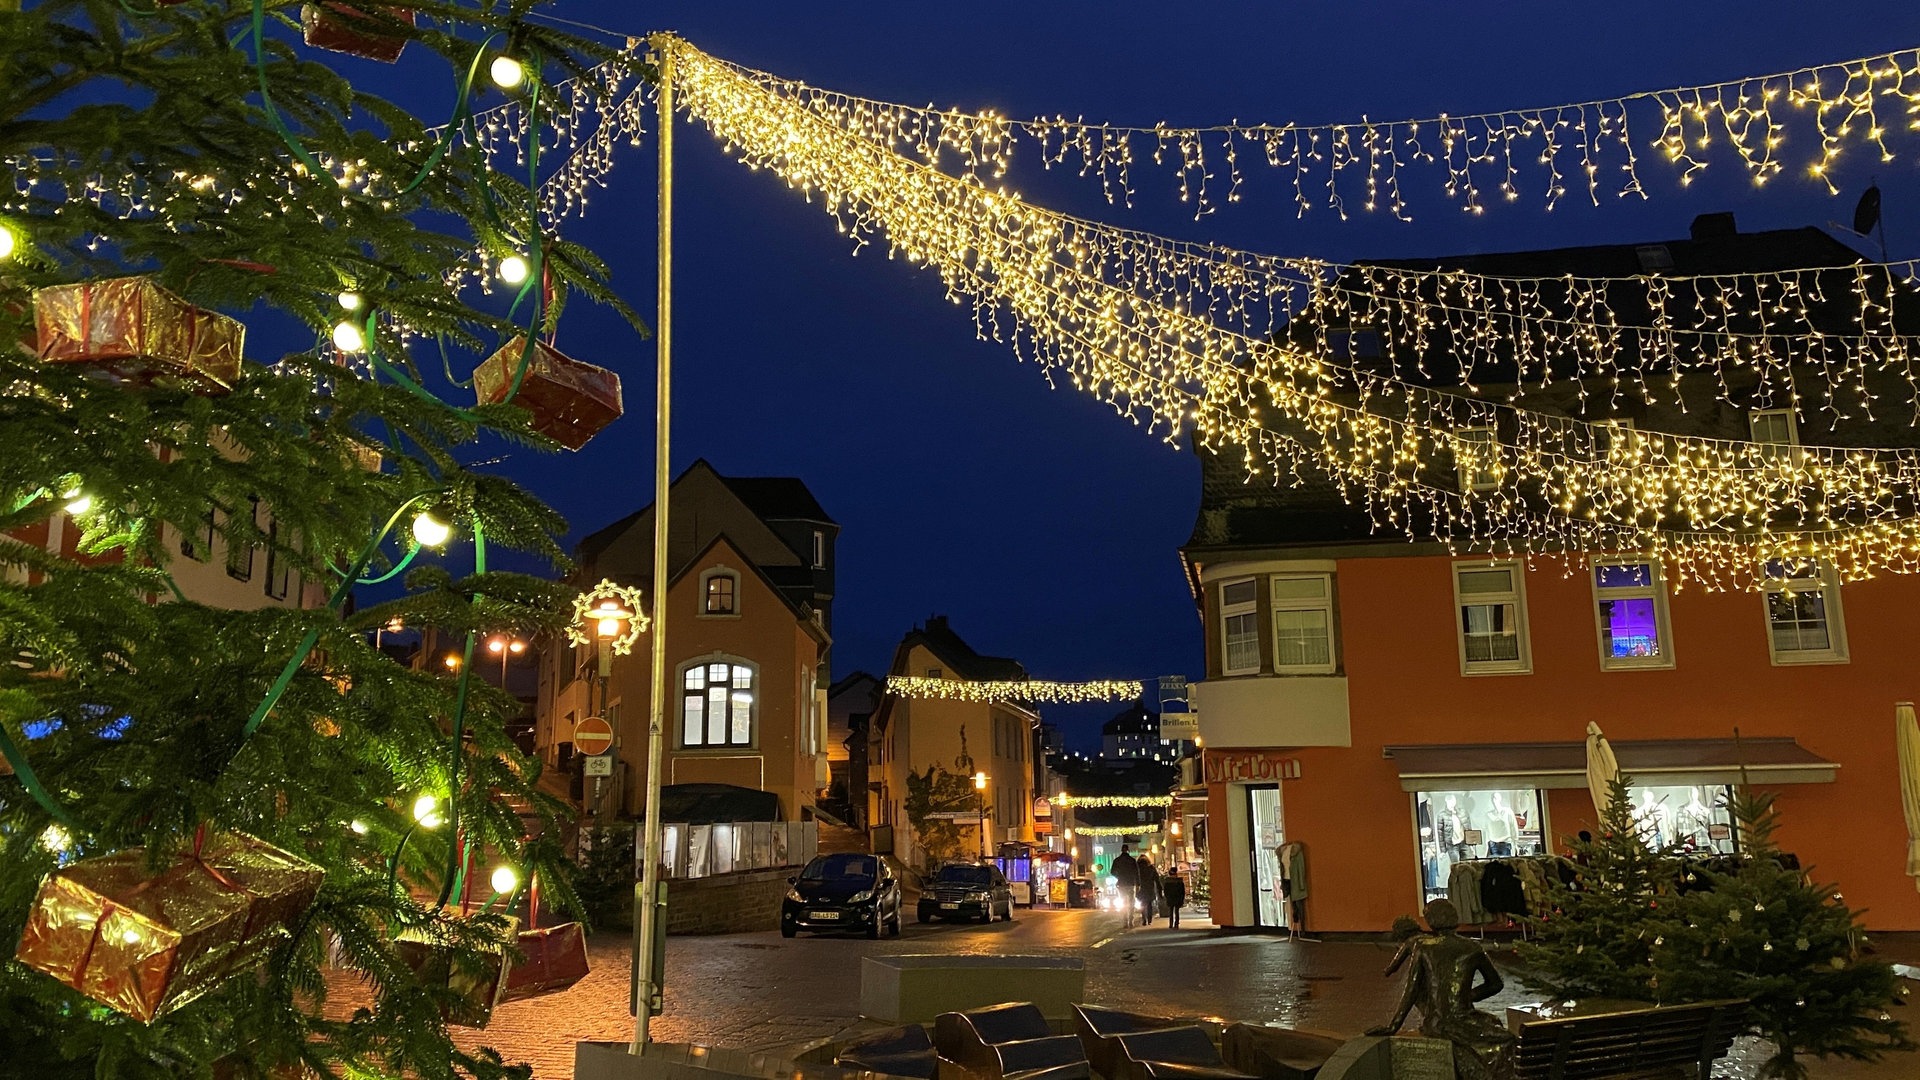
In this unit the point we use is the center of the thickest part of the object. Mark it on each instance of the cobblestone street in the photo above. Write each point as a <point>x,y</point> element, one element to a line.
<point>759,991</point>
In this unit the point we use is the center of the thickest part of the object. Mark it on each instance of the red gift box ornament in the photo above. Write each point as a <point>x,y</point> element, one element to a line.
<point>145,942</point>
<point>570,401</point>
<point>380,34</point>
<point>551,959</point>
<point>132,329</point>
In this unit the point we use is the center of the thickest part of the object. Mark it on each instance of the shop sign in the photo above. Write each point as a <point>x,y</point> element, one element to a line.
<point>1042,809</point>
<point>1234,767</point>
<point>1179,726</point>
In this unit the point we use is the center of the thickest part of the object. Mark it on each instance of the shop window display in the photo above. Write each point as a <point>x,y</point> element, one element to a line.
<point>1456,826</point>
<point>1695,818</point>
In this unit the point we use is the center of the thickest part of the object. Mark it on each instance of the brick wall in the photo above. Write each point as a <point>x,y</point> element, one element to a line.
<point>727,903</point>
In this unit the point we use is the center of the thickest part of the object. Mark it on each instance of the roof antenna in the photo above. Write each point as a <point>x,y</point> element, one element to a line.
<point>1867,217</point>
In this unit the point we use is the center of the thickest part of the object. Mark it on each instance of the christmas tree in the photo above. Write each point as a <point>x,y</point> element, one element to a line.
<point>241,793</point>
<point>1766,933</point>
<point>1596,936</point>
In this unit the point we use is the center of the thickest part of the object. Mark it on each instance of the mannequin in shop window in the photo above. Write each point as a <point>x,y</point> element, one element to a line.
<point>1692,822</point>
<point>1500,829</point>
<point>1654,820</point>
<point>1453,831</point>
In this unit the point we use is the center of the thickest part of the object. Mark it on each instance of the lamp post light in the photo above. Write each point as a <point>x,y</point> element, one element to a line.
<point>980,790</point>
<point>503,646</point>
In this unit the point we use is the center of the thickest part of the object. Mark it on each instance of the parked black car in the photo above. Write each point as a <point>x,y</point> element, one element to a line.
<point>966,891</point>
<point>842,892</point>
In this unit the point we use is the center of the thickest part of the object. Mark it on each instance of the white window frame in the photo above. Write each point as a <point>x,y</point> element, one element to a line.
<point>1792,445</point>
<point>819,549</point>
<point>1233,611</point>
<point>755,687</point>
<point>1477,480</point>
<point>1324,604</point>
<point>1655,590</point>
<point>1829,585</point>
<point>1517,596</point>
<point>705,579</point>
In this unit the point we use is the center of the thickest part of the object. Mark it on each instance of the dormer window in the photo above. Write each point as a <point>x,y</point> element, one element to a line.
<point>819,549</point>
<point>720,593</point>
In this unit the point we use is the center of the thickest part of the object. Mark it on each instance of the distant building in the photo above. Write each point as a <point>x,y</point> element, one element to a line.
<point>908,735</point>
<point>750,567</point>
<point>1133,735</point>
<point>851,703</point>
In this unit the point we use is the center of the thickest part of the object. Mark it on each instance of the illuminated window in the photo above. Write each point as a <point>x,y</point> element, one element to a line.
<point>1239,628</point>
<point>1492,602</point>
<point>1478,459</point>
<point>1630,604</point>
<point>716,704</point>
<point>1804,624</point>
<point>720,595</point>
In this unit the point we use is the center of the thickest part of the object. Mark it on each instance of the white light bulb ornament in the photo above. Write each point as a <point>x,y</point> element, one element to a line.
<point>507,73</point>
<point>351,301</point>
<point>505,880</point>
<point>426,812</point>
<point>9,243</point>
<point>514,269</point>
<point>347,337</point>
<point>430,531</point>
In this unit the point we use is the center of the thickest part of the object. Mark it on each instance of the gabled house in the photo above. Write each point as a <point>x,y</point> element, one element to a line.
<point>997,738</point>
<point>749,605</point>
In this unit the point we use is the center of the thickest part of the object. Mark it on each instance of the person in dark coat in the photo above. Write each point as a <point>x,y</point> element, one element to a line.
<point>1173,889</point>
<point>1126,879</point>
<point>1149,890</point>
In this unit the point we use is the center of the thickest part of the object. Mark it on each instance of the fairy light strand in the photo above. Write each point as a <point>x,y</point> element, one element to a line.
<point>1034,691</point>
<point>1002,257</point>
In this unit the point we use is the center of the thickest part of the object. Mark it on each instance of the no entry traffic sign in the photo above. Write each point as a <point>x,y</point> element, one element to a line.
<point>592,737</point>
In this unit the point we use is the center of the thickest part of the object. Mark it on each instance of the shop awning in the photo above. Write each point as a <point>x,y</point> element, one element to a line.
<point>1653,763</point>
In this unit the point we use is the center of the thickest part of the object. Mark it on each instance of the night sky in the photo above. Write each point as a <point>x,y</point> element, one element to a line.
<point>1045,526</point>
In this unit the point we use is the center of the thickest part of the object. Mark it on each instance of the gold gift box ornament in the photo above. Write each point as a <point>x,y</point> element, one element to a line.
<point>569,401</point>
<point>146,941</point>
<point>133,330</point>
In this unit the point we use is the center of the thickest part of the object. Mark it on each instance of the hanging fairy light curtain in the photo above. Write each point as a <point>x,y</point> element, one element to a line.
<point>1804,119</point>
<point>1032,691</point>
<point>1019,268</point>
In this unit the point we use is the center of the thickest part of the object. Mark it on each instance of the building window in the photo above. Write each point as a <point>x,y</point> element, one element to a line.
<point>819,549</point>
<point>721,593</point>
<point>279,571</point>
<point>1492,602</point>
<point>716,704</point>
<point>1456,827</point>
<point>1239,628</point>
<point>1630,602</point>
<point>1477,459</point>
<point>239,548</point>
<point>1776,430</point>
<point>198,544</point>
<point>1804,624</point>
<point>1302,623</point>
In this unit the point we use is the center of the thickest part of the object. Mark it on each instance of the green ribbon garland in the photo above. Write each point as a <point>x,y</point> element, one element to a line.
<point>456,864</point>
<point>29,780</point>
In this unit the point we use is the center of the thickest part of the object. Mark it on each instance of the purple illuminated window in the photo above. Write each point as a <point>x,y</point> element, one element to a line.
<point>1629,596</point>
<point>1632,628</point>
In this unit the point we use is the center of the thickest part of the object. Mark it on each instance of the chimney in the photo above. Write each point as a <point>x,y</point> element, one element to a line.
<point>1714,226</point>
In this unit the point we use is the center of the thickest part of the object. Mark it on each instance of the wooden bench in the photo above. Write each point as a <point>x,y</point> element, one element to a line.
<point>1005,1042</point>
<point>1665,1041</point>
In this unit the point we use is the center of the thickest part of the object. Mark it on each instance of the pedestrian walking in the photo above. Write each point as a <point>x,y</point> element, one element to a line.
<point>1126,878</point>
<point>1149,890</point>
<point>1173,888</point>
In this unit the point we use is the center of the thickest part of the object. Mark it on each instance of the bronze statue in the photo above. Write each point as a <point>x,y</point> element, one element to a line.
<point>1441,983</point>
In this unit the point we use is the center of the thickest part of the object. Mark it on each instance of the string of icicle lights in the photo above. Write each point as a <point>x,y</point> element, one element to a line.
<point>1130,802</point>
<point>1585,147</point>
<point>1115,830</point>
<point>1032,691</point>
<point>1712,509</point>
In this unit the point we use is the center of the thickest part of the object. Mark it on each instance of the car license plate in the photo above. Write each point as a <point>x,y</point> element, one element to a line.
<point>950,906</point>
<point>821,915</point>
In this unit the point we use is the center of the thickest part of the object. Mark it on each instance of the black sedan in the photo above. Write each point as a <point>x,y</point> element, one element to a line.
<point>966,891</point>
<point>842,892</point>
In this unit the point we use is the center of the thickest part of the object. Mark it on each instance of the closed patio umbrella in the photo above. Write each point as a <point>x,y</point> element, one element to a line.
<point>1907,746</point>
<point>1602,768</point>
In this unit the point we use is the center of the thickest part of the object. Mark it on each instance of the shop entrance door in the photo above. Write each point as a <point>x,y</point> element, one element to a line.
<point>1266,829</point>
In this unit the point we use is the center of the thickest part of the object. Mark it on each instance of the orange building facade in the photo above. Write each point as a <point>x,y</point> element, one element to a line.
<point>1356,764</point>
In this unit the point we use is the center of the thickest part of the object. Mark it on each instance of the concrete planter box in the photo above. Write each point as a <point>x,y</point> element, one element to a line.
<point>915,989</point>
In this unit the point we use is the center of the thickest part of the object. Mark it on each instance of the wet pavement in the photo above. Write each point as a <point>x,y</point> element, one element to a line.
<point>763,992</point>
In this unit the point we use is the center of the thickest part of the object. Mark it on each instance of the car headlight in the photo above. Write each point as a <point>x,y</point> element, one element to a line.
<point>980,896</point>
<point>860,897</point>
<point>794,895</point>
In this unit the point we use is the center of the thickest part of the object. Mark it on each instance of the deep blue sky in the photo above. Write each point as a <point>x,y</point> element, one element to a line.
<point>1043,525</point>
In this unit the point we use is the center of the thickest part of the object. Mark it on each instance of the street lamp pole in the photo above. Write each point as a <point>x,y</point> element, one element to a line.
<point>980,791</point>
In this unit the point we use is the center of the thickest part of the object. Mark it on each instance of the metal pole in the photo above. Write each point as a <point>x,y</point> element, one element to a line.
<point>650,912</point>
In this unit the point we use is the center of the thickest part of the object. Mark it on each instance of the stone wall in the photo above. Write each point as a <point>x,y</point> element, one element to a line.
<point>727,903</point>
